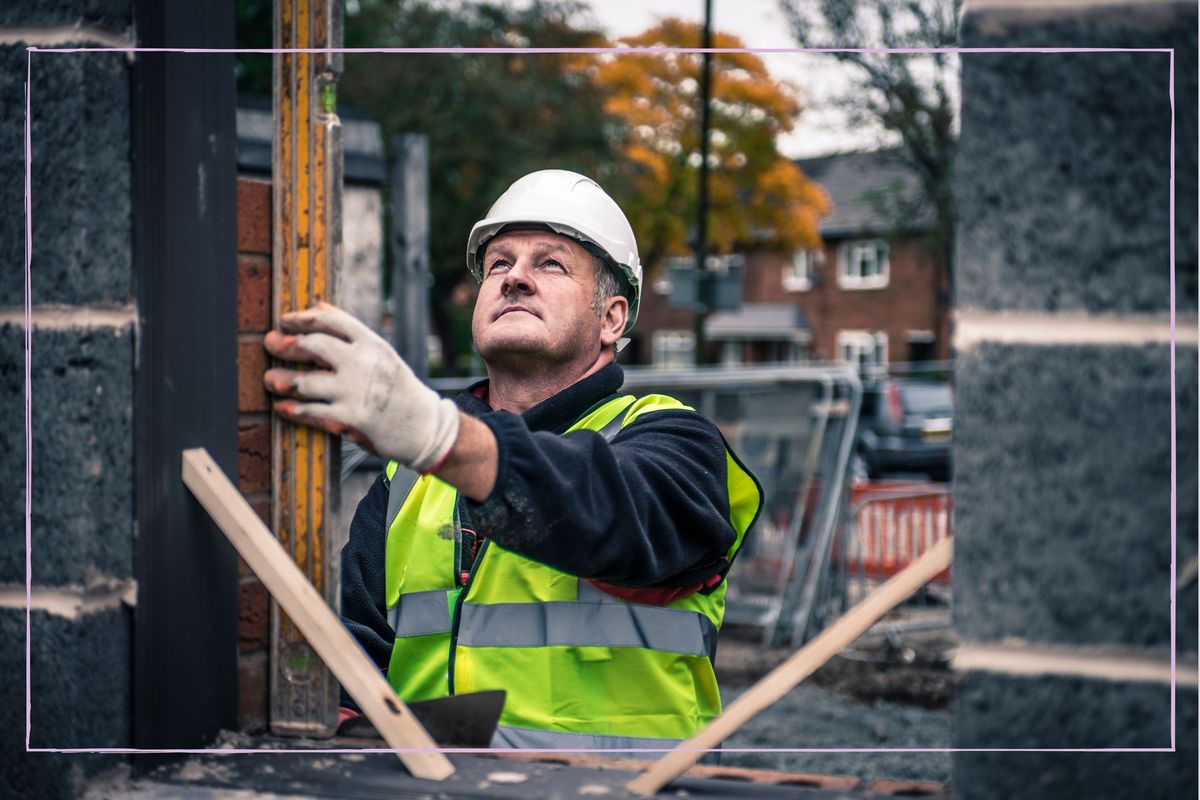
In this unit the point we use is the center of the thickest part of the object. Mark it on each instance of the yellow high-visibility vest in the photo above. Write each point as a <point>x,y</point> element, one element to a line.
<point>582,668</point>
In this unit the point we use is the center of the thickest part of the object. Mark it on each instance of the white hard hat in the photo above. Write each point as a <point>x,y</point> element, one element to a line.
<point>569,204</point>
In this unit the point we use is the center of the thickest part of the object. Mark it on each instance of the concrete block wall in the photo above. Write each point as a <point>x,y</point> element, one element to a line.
<point>254,439</point>
<point>1063,447</point>
<point>83,346</point>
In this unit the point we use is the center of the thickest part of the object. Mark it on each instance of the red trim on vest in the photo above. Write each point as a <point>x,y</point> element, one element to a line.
<point>654,596</point>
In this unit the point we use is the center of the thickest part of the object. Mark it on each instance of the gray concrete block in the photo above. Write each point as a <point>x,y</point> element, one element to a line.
<point>80,179</point>
<point>1186,533</point>
<point>1062,494</point>
<point>998,711</point>
<point>1064,161</point>
<point>80,697</point>
<point>111,15</point>
<point>82,480</point>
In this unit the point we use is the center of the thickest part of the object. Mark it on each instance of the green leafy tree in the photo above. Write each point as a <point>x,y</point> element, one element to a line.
<point>254,20</point>
<point>910,95</point>
<point>752,187</point>
<point>490,118</point>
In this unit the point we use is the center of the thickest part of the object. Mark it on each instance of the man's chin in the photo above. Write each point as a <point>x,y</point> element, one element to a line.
<point>498,348</point>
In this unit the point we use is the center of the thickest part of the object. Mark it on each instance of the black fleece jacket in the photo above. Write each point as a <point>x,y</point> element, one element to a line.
<point>648,509</point>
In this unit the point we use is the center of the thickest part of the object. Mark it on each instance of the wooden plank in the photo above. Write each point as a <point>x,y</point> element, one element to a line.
<point>799,666</point>
<point>316,621</point>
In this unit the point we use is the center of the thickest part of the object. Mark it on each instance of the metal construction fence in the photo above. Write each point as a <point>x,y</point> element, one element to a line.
<point>793,426</point>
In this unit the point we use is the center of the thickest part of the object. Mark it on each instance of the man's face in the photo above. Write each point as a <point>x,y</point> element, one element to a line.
<point>534,304</point>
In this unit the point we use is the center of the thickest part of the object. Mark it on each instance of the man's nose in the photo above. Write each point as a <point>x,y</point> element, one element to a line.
<point>518,279</point>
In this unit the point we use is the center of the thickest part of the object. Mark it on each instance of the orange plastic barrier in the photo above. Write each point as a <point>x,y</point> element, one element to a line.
<point>894,523</point>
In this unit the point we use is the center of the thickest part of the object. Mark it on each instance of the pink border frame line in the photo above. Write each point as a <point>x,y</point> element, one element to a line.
<point>580,50</point>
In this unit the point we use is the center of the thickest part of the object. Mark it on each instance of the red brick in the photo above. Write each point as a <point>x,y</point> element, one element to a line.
<point>253,615</point>
<point>254,216</point>
<point>252,363</point>
<point>253,694</point>
<point>254,461</point>
<point>262,505</point>
<point>254,294</point>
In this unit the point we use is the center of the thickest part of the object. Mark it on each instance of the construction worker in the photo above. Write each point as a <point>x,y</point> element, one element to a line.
<point>563,542</point>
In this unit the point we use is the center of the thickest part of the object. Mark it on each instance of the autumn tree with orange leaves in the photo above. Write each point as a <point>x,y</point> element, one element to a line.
<point>754,192</point>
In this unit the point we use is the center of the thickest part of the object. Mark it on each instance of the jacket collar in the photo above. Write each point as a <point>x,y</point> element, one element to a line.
<point>555,413</point>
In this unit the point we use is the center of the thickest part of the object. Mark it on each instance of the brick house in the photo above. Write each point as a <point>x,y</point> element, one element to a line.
<point>876,293</point>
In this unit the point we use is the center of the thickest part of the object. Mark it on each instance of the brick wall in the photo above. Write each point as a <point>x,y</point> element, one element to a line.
<point>909,301</point>
<point>1063,453</point>
<point>81,385</point>
<point>654,314</point>
<point>254,439</point>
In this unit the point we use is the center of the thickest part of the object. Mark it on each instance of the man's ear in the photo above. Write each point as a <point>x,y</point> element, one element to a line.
<point>612,321</point>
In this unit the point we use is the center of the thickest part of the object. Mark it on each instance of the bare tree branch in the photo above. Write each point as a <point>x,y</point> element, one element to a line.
<point>909,95</point>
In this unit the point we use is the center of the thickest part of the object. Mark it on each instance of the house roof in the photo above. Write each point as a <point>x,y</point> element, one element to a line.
<point>867,190</point>
<point>760,321</point>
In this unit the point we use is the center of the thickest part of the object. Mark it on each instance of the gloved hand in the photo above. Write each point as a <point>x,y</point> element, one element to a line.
<point>367,392</point>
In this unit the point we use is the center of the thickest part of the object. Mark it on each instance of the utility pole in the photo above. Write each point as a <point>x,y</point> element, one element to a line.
<point>702,309</point>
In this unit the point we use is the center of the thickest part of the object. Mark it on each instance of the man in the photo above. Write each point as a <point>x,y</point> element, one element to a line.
<point>563,542</point>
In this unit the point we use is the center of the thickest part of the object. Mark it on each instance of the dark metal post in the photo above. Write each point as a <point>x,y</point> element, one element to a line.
<point>185,387</point>
<point>702,275</point>
<point>410,248</point>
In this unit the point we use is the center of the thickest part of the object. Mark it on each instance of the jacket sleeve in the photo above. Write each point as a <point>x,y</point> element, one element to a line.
<point>649,508</point>
<point>364,605</point>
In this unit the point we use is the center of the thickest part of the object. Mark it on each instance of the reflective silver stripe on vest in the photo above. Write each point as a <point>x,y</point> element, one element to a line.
<point>613,426</point>
<point>530,739</point>
<point>402,483</point>
<point>586,625</point>
<point>420,613</point>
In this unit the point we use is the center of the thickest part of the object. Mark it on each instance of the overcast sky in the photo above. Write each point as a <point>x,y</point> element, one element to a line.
<point>758,23</point>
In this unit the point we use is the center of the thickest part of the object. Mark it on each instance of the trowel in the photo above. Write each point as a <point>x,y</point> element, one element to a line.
<point>460,720</point>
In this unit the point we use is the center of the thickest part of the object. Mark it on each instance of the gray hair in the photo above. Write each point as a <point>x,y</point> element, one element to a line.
<point>607,284</point>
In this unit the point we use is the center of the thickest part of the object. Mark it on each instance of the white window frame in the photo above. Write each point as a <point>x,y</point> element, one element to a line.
<point>922,336</point>
<point>798,273</point>
<point>673,349</point>
<point>731,352</point>
<point>863,264</point>
<point>866,350</point>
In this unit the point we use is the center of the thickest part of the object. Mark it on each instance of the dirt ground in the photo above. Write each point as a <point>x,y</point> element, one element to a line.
<point>893,688</point>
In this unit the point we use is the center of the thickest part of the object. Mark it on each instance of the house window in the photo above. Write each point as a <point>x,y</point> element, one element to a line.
<point>731,352</point>
<point>663,285</point>
<point>866,350</point>
<point>920,345</point>
<point>674,349</point>
<point>863,264</point>
<point>798,273</point>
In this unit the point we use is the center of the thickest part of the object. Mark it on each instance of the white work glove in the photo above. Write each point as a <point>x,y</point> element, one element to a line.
<point>369,393</point>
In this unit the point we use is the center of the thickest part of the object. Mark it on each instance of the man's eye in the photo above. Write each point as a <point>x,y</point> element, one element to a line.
<point>498,264</point>
<point>552,264</point>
